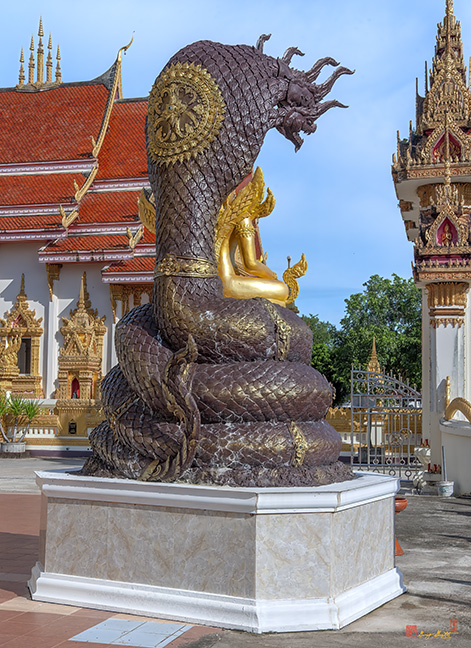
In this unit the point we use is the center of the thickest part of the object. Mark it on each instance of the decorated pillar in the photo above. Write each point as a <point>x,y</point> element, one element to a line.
<point>432,176</point>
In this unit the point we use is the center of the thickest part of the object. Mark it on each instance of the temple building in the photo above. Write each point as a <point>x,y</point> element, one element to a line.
<point>74,254</point>
<point>432,177</point>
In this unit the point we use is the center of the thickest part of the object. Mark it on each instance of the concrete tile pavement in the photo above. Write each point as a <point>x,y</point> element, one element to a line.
<point>434,532</point>
<point>17,475</point>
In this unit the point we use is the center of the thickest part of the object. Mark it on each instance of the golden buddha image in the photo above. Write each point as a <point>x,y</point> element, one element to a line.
<point>241,265</point>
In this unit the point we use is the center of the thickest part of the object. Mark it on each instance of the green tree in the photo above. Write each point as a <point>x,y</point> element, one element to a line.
<point>388,310</point>
<point>323,347</point>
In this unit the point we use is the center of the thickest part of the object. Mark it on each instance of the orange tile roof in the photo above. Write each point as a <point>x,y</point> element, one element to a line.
<point>123,154</point>
<point>88,243</point>
<point>109,207</point>
<point>55,124</point>
<point>39,189</point>
<point>28,222</point>
<point>148,238</point>
<point>137,264</point>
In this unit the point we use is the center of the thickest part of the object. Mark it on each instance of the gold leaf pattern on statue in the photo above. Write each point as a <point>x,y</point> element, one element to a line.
<point>186,110</point>
<point>178,266</point>
<point>291,274</point>
<point>282,331</point>
<point>236,207</point>
<point>300,445</point>
<point>147,213</point>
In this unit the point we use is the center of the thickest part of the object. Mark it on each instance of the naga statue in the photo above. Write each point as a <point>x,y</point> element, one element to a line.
<point>214,383</point>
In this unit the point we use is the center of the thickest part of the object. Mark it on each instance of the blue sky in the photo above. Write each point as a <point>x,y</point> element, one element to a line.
<point>335,197</point>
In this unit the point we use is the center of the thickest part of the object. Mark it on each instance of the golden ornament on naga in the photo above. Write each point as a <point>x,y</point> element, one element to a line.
<point>185,113</point>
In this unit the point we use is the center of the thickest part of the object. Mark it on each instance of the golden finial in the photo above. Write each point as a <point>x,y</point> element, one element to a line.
<point>31,63</point>
<point>40,69</point>
<point>426,77</point>
<point>373,364</point>
<point>21,78</point>
<point>125,48</point>
<point>58,66</point>
<point>448,52</point>
<point>83,289</point>
<point>49,61</point>
<point>22,292</point>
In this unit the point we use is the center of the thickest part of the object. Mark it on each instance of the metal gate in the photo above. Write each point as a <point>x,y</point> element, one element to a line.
<point>386,424</point>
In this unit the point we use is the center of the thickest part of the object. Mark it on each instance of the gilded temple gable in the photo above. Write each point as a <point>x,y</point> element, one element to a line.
<point>21,318</point>
<point>448,91</point>
<point>83,332</point>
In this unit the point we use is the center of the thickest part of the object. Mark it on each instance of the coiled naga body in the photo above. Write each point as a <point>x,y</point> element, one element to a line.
<point>210,388</point>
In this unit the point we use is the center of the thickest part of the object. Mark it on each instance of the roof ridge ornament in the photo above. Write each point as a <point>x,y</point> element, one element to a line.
<point>40,83</point>
<point>115,92</point>
<point>21,77</point>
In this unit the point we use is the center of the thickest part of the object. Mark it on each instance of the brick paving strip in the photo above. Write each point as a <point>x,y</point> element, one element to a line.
<point>30,624</point>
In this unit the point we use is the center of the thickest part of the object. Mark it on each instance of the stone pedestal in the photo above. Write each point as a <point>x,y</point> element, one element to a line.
<point>261,560</point>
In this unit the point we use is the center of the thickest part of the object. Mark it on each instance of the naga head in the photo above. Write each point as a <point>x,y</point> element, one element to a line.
<point>300,103</point>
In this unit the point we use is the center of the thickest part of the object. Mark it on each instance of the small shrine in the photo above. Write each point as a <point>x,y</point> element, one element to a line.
<point>432,177</point>
<point>20,332</point>
<point>80,364</point>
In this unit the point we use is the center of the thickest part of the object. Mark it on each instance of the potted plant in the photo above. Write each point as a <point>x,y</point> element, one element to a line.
<point>16,414</point>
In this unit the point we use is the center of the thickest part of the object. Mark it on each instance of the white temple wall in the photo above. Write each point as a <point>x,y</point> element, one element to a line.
<point>445,353</point>
<point>466,353</point>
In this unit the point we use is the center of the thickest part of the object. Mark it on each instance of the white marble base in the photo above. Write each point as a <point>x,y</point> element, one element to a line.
<point>261,560</point>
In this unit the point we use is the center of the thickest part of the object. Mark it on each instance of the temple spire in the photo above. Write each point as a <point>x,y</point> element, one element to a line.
<point>21,77</point>
<point>40,61</point>
<point>31,63</point>
<point>446,87</point>
<point>83,289</point>
<point>40,69</point>
<point>49,61</point>
<point>22,292</point>
<point>58,66</point>
<point>373,364</point>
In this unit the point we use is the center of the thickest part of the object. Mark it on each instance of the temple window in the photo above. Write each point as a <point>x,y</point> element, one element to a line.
<point>24,356</point>
<point>75,389</point>
<point>439,149</point>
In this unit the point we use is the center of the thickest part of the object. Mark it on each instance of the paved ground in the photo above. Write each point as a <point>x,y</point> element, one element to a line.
<point>17,475</point>
<point>434,533</point>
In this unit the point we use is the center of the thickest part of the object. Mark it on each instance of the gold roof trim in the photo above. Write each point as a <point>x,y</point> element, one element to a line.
<point>116,88</point>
